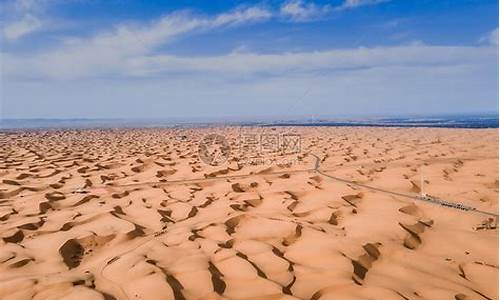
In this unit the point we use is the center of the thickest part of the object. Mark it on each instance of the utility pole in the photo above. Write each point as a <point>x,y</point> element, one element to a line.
<point>422,193</point>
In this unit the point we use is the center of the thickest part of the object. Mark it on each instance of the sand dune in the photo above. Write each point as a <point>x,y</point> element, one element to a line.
<point>135,214</point>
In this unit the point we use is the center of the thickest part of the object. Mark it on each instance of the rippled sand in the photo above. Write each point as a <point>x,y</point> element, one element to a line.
<point>135,214</point>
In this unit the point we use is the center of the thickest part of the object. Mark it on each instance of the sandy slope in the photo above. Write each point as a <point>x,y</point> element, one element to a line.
<point>105,214</point>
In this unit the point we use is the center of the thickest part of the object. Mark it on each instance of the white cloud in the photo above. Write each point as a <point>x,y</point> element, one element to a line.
<point>491,38</point>
<point>241,16</point>
<point>297,10</point>
<point>124,56</point>
<point>301,11</point>
<point>28,5</point>
<point>108,53</point>
<point>25,26</point>
<point>356,3</point>
<point>20,18</point>
<point>245,64</point>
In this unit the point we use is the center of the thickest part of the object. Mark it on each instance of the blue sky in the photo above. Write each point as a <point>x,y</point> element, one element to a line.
<point>184,59</point>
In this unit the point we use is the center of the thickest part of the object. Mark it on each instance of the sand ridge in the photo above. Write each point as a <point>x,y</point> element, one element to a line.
<point>135,214</point>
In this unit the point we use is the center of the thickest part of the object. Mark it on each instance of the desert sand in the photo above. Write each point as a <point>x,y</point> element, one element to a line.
<point>135,214</point>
